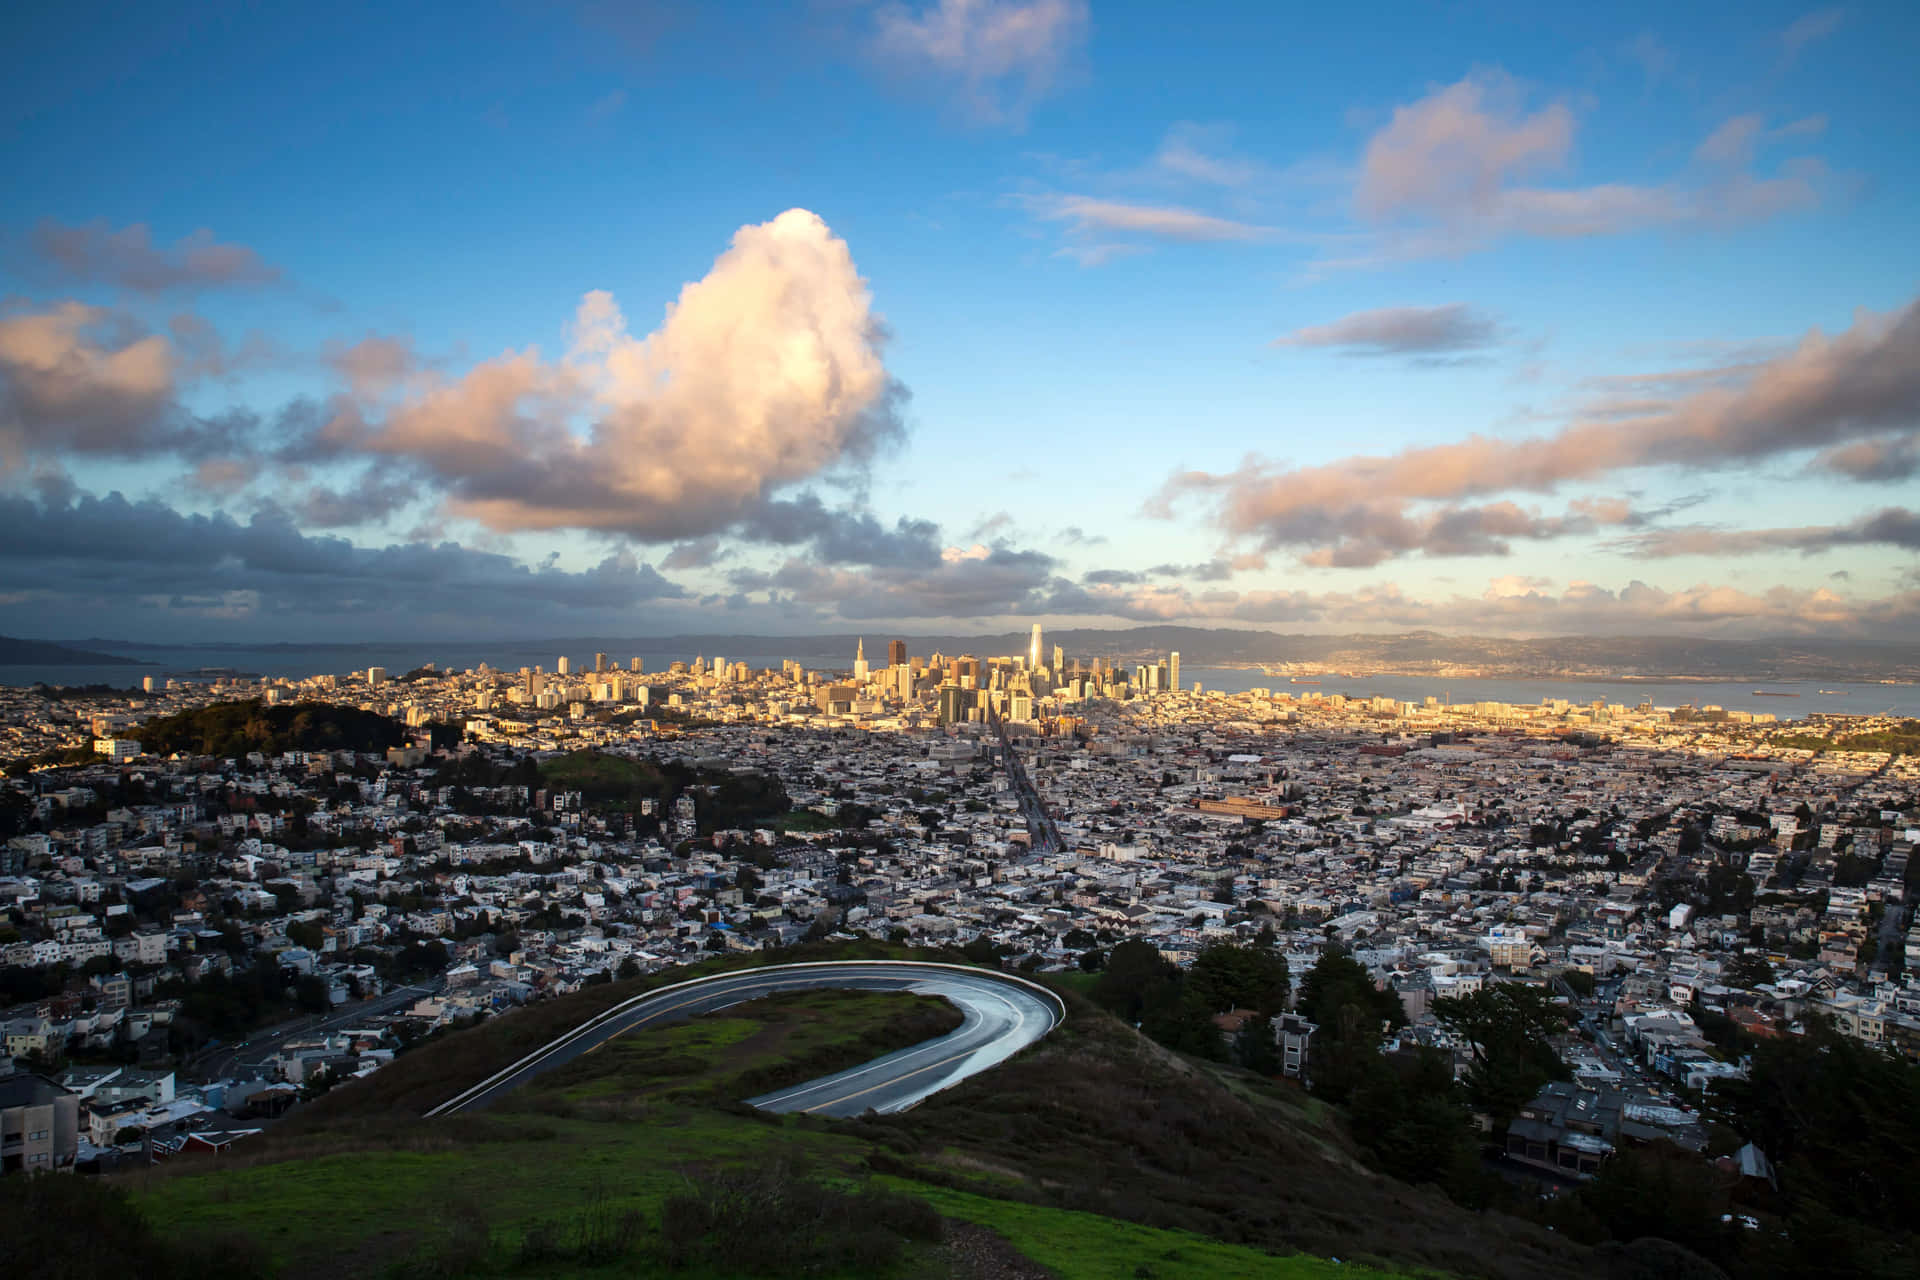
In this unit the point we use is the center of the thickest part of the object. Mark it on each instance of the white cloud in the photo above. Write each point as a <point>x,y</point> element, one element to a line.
<point>997,57</point>
<point>1456,171</point>
<point>1452,327</point>
<point>1164,222</point>
<point>764,373</point>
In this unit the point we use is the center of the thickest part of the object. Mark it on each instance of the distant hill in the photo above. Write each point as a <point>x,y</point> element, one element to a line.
<point>235,728</point>
<point>15,652</point>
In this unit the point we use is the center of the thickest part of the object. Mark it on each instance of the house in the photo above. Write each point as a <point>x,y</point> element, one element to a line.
<point>39,1124</point>
<point>1293,1033</point>
<point>1566,1130</point>
<point>106,1119</point>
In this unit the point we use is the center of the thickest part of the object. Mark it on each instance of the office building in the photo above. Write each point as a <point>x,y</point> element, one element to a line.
<point>1173,670</point>
<point>860,662</point>
<point>1033,649</point>
<point>954,702</point>
<point>636,666</point>
<point>376,676</point>
<point>564,666</point>
<point>599,664</point>
<point>896,652</point>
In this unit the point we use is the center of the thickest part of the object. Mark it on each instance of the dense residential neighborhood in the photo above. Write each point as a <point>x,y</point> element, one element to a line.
<point>196,941</point>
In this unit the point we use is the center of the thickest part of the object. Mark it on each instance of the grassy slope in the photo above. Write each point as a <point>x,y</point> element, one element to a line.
<point>1096,1118</point>
<point>1087,1246</point>
<point>1211,1172</point>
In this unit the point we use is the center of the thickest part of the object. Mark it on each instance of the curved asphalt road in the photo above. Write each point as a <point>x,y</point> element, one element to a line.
<point>1001,1016</point>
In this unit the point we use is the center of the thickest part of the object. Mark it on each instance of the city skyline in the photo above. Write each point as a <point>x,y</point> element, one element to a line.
<point>925,317</point>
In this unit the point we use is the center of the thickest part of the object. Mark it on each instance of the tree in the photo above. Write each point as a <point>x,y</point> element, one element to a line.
<point>1134,971</point>
<point>1506,1025</point>
<point>984,951</point>
<point>1173,1016</point>
<point>1407,1113</point>
<point>1338,996</point>
<point>1338,981</point>
<point>1807,1101</point>
<point>1663,1192</point>
<point>305,933</point>
<point>1747,970</point>
<point>1255,1049</point>
<point>1225,976</point>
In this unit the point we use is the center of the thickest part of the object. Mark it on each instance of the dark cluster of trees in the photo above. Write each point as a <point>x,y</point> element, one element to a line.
<point>235,728</point>
<point>1176,1007</point>
<point>725,799</point>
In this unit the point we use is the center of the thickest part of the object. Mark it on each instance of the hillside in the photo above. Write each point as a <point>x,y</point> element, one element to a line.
<point>235,728</point>
<point>1095,1154</point>
<point>15,652</point>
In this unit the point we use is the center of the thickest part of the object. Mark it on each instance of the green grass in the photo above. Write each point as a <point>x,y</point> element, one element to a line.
<point>801,821</point>
<point>1086,1246</point>
<point>761,1045</point>
<point>337,1204</point>
<point>598,774</point>
<point>1080,983</point>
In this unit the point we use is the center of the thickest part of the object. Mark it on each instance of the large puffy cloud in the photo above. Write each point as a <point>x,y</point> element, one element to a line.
<point>1390,331</point>
<point>94,253</point>
<point>765,373</point>
<point>997,57</point>
<point>108,552</point>
<point>1824,392</point>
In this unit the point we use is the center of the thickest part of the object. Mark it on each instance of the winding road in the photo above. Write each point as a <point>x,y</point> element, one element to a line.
<point>1001,1015</point>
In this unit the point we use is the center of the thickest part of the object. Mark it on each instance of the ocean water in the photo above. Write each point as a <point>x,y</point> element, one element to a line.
<point>1845,698</point>
<point>297,661</point>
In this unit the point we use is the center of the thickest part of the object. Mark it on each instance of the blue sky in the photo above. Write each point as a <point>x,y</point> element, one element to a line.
<point>538,318</point>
